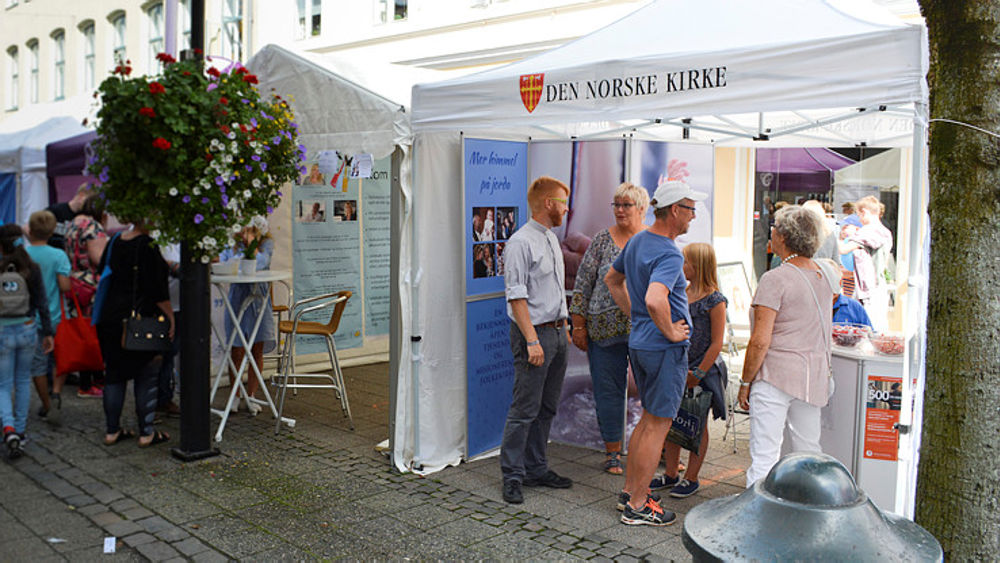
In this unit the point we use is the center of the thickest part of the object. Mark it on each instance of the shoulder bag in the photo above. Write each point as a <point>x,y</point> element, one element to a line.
<point>144,333</point>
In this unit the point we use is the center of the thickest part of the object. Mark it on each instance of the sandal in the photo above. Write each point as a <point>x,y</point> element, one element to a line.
<point>158,438</point>
<point>121,436</point>
<point>613,464</point>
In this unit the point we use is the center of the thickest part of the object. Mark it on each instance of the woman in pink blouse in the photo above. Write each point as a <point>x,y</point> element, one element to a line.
<point>786,375</point>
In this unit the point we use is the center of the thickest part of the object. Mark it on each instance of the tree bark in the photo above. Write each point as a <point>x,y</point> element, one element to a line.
<point>958,487</point>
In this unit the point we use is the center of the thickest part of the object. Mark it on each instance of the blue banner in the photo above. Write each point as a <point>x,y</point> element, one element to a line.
<point>496,187</point>
<point>490,373</point>
<point>8,198</point>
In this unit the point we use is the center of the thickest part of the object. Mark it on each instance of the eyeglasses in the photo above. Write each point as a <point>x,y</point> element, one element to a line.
<point>561,200</point>
<point>688,207</point>
<point>617,205</point>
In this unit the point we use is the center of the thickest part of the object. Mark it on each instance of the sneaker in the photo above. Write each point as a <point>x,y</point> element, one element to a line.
<point>24,438</point>
<point>253,408</point>
<point>651,514</point>
<point>684,489</point>
<point>624,497</point>
<point>551,480</point>
<point>662,482</point>
<point>93,393</point>
<point>13,442</point>
<point>512,491</point>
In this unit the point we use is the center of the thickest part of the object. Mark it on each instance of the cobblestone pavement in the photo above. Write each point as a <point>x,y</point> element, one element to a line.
<point>317,492</point>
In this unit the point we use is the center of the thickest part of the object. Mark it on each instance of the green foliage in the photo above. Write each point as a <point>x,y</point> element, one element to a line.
<point>195,152</point>
<point>250,252</point>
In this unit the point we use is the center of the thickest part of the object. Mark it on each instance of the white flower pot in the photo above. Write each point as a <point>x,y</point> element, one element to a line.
<point>248,267</point>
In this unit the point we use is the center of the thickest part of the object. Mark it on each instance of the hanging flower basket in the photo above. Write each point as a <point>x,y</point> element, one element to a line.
<point>196,152</point>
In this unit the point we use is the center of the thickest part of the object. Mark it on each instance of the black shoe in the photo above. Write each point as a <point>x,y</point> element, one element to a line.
<point>551,480</point>
<point>13,442</point>
<point>57,399</point>
<point>43,413</point>
<point>512,491</point>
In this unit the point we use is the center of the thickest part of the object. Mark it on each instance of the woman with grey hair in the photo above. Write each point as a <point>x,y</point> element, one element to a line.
<point>786,374</point>
<point>600,328</point>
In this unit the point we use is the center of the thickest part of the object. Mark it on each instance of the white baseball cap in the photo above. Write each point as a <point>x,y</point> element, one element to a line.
<point>672,191</point>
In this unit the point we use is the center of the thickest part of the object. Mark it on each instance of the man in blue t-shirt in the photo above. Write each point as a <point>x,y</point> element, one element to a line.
<point>647,281</point>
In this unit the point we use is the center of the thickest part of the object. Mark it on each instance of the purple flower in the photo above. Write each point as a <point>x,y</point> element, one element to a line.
<point>253,121</point>
<point>211,87</point>
<point>224,216</point>
<point>204,200</point>
<point>225,199</point>
<point>186,199</point>
<point>222,189</point>
<point>245,101</point>
<point>198,218</point>
<point>270,210</point>
<point>248,167</point>
<point>279,194</point>
<point>103,177</point>
<point>232,178</point>
<point>263,166</point>
<point>294,125</point>
<point>255,157</point>
<point>219,181</point>
<point>302,169</point>
<point>267,148</point>
<point>276,139</point>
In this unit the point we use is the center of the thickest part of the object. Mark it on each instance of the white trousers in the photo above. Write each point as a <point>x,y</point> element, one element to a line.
<point>770,409</point>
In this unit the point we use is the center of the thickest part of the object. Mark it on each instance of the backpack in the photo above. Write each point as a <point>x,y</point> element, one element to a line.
<point>15,300</point>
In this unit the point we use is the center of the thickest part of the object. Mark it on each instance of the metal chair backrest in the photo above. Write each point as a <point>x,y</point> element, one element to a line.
<point>338,311</point>
<point>337,299</point>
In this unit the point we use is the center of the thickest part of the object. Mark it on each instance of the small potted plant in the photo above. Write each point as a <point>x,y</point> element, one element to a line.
<point>248,264</point>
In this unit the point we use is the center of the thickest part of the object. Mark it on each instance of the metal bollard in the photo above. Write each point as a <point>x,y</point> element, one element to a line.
<point>807,508</point>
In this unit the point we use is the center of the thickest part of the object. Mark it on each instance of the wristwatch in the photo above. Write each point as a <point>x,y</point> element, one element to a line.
<point>699,373</point>
<point>533,343</point>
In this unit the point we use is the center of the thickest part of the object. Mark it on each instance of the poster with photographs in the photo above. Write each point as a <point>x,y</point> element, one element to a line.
<point>310,211</point>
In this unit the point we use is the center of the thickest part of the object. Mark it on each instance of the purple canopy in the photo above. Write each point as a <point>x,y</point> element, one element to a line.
<point>800,169</point>
<point>64,164</point>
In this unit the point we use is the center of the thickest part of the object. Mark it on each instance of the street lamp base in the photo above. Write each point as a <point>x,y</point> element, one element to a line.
<point>194,456</point>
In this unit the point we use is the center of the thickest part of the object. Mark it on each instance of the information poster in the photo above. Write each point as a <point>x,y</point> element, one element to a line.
<point>881,415</point>
<point>340,230</point>
<point>496,185</point>
<point>376,215</point>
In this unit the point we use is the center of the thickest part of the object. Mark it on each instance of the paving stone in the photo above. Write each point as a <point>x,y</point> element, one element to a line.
<point>139,539</point>
<point>190,546</point>
<point>210,557</point>
<point>137,513</point>
<point>105,518</point>
<point>92,509</point>
<point>172,534</point>
<point>124,504</point>
<point>155,524</point>
<point>582,553</point>
<point>107,496</point>
<point>80,500</point>
<point>157,551</point>
<point>122,528</point>
<point>589,545</point>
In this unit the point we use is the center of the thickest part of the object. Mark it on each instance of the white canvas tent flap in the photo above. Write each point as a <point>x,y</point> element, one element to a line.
<point>687,58</point>
<point>23,153</point>
<point>775,55</point>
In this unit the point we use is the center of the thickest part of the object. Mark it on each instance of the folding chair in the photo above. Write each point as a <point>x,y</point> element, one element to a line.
<point>732,390</point>
<point>279,310</point>
<point>296,327</point>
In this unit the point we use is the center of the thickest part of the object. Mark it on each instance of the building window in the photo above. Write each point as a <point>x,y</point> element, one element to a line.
<point>155,19</point>
<point>184,15</point>
<point>13,77</point>
<point>11,3</point>
<point>232,29</point>
<point>59,65</point>
<point>310,19</point>
<point>33,68</point>
<point>89,54</point>
<point>118,39</point>
<point>390,10</point>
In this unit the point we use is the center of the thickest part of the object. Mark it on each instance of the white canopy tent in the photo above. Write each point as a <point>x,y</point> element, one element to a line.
<point>766,73</point>
<point>22,153</point>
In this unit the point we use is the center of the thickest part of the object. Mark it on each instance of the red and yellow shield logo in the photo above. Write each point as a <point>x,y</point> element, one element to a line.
<point>531,90</point>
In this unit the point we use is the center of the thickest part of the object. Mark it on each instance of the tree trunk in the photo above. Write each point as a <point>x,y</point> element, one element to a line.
<point>958,489</point>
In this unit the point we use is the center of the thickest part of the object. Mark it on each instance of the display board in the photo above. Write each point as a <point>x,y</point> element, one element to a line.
<point>340,234</point>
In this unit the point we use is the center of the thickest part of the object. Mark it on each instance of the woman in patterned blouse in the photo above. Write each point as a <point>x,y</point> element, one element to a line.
<point>599,326</point>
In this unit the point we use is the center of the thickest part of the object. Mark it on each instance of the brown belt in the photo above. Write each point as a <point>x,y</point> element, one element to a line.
<point>552,324</point>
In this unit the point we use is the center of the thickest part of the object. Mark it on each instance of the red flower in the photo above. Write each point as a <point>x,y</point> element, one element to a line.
<point>161,143</point>
<point>224,100</point>
<point>147,111</point>
<point>251,78</point>
<point>241,70</point>
<point>198,51</point>
<point>127,71</point>
<point>224,127</point>
<point>156,88</point>
<point>208,156</point>
<point>165,58</point>
<point>186,73</point>
<point>212,71</point>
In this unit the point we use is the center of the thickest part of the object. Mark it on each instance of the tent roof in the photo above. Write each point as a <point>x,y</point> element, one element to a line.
<point>352,105</point>
<point>25,150</point>
<point>800,160</point>
<point>755,56</point>
<point>66,157</point>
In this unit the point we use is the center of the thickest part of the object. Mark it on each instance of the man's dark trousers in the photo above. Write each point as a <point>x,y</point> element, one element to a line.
<point>537,390</point>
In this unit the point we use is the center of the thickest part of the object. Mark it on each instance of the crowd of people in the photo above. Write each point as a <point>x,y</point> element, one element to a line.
<point>64,263</point>
<point>641,301</point>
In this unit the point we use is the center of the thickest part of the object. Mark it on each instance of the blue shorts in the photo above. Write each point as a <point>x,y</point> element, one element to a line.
<point>42,363</point>
<point>661,376</point>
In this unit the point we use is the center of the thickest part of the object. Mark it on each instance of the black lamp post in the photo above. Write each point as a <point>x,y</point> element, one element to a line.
<point>195,326</point>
